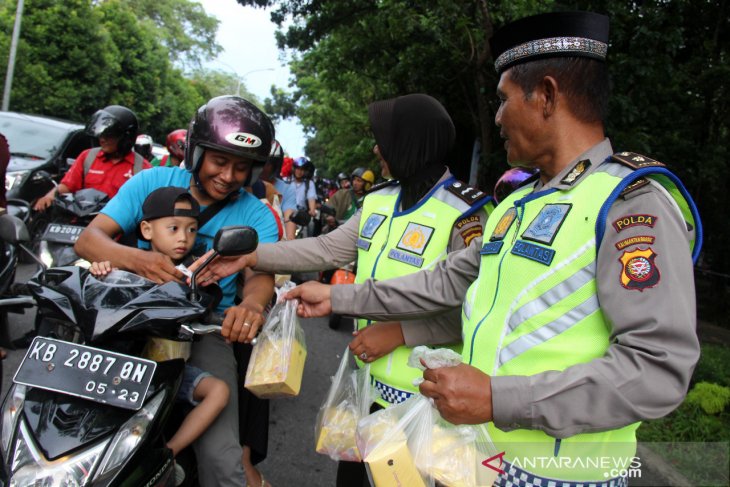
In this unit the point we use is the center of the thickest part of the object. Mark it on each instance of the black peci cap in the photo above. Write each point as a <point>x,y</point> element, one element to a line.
<point>160,203</point>
<point>556,34</point>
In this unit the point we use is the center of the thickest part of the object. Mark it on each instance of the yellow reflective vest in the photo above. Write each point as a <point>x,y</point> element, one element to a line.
<point>394,243</point>
<point>534,308</point>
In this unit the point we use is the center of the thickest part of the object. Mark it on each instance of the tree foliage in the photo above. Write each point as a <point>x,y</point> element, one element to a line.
<point>76,56</point>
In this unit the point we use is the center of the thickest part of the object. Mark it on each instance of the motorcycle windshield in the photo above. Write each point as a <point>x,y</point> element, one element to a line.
<point>114,290</point>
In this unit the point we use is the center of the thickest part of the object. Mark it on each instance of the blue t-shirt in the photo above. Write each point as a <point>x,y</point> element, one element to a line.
<point>126,210</point>
<point>288,195</point>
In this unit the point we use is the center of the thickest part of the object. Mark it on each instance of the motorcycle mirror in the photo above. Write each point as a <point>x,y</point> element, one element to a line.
<point>228,241</point>
<point>235,240</point>
<point>41,175</point>
<point>13,230</point>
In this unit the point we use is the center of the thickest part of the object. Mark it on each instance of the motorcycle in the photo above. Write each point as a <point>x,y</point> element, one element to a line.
<point>10,251</point>
<point>63,223</point>
<point>85,407</point>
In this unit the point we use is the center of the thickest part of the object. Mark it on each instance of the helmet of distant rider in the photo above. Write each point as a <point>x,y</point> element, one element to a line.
<point>115,120</point>
<point>510,181</point>
<point>342,176</point>
<point>229,124</point>
<point>366,175</point>
<point>304,163</point>
<point>175,143</point>
<point>143,146</point>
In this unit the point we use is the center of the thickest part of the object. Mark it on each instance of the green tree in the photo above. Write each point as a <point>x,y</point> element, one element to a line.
<point>182,26</point>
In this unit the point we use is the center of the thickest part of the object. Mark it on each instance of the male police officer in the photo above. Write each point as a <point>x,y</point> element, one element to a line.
<point>579,308</point>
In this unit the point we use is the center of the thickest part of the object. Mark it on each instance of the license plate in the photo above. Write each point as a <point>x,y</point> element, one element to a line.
<point>62,233</point>
<point>87,372</point>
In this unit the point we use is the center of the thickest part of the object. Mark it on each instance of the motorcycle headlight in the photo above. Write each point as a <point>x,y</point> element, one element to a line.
<point>14,178</point>
<point>130,435</point>
<point>12,407</point>
<point>29,466</point>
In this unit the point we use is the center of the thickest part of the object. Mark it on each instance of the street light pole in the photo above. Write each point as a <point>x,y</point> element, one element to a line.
<point>11,59</point>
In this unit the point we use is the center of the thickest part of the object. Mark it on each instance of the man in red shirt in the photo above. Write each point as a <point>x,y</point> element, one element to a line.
<point>116,127</point>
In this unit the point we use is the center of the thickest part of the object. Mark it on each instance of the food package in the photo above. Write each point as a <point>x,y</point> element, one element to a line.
<point>349,399</point>
<point>383,440</point>
<point>161,349</point>
<point>452,457</point>
<point>277,360</point>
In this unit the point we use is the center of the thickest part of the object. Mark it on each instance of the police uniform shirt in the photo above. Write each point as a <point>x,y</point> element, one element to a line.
<point>338,248</point>
<point>646,370</point>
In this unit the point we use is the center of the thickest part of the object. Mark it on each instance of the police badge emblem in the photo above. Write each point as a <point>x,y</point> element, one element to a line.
<point>638,269</point>
<point>372,225</point>
<point>547,223</point>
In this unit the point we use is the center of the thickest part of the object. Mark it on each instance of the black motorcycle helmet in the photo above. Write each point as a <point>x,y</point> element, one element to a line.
<point>115,120</point>
<point>229,124</point>
<point>276,157</point>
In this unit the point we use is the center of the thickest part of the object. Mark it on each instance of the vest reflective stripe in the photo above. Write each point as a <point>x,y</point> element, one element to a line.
<point>546,332</point>
<point>520,324</point>
<point>383,254</point>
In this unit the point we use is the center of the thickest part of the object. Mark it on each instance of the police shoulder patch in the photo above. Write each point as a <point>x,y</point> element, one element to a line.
<point>639,183</point>
<point>634,160</point>
<point>638,269</point>
<point>468,194</point>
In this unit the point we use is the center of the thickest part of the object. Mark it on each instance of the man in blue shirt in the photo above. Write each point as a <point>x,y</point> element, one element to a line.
<point>227,137</point>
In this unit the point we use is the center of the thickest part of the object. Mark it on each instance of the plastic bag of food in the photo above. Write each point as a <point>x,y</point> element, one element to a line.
<point>277,360</point>
<point>348,400</point>
<point>161,349</point>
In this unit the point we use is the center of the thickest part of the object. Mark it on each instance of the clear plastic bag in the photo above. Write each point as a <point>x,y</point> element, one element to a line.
<point>161,349</point>
<point>410,444</point>
<point>277,360</point>
<point>348,400</point>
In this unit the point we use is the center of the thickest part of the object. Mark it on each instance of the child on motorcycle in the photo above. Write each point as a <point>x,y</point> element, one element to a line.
<point>170,224</point>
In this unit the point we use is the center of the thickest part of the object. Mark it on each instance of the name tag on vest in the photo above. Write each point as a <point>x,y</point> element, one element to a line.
<point>533,252</point>
<point>409,259</point>
<point>492,248</point>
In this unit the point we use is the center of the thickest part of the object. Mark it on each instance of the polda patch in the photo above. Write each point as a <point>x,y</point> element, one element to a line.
<point>638,269</point>
<point>629,221</point>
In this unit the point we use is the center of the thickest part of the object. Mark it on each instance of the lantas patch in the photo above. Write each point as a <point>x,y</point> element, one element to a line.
<point>243,139</point>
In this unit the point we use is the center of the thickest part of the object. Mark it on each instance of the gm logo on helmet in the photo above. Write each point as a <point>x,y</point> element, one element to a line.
<point>243,139</point>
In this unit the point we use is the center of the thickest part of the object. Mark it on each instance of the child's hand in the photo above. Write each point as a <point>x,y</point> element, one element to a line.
<point>101,269</point>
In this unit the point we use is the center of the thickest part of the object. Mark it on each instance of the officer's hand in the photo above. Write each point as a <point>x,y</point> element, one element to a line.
<point>313,213</point>
<point>44,201</point>
<point>222,267</point>
<point>242,322</point>
<point>100,269</point>
<point>156,267</point>
<point>376,340</point>
<point>314,299</point>
<point>462,394</point>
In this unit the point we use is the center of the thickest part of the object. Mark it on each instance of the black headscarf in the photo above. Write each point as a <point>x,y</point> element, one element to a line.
<point>414,134</point>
